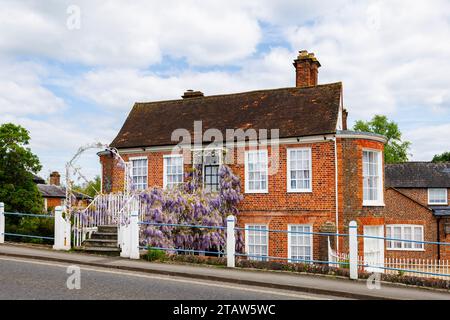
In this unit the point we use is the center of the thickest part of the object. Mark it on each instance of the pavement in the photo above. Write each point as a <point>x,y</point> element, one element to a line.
<point>272,282</point>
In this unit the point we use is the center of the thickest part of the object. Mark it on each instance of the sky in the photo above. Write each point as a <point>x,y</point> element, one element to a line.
<point>70,71</point>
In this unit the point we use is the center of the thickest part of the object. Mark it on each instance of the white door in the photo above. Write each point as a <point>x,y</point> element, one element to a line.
<point>374,248</point>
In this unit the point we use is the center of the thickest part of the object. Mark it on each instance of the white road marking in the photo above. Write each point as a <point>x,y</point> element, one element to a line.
<point>170,278</point>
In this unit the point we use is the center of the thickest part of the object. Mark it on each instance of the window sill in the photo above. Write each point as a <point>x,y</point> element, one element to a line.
<point>256,192</point>
<point>438,204</point>
<point>373,204</point>
<point>300,191</point>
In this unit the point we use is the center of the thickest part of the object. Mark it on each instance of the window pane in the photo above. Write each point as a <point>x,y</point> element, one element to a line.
<point>257,170</point>
<point>371,176</point>
<point>300,244</point>
<point>257,241</point>
<point>139,174</point>
<point>173,167</point>
<point>299,169</point>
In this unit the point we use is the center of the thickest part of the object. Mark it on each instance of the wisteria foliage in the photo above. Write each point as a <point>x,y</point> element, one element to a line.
<point>190,204</point>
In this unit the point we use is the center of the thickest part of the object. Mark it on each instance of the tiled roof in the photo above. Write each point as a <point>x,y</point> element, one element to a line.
<point>294,111</point>
<point>418,175</point>
<point>52,191</point>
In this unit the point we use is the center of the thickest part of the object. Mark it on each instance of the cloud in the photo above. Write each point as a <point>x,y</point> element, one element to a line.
<point>118,89</point>
<point>428,141</point>
<point>22,91</point>
<point>71,87</point>
<point>129,34</point>
<point>388,53</point>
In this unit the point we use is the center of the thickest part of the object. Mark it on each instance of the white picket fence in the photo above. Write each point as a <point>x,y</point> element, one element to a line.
<point>434,268</point>
<point>437,269</point>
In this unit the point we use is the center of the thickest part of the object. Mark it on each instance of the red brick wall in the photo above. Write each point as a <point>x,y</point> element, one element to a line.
<point>420,194</point>
<point>350,178</point>
<point>278,208</point>
<point>401,210</point>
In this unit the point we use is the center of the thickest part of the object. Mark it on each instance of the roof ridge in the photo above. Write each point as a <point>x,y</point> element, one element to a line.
<point>236,94</point>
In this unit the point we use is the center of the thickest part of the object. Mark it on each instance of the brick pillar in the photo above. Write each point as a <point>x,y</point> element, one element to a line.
<point>328,227</point>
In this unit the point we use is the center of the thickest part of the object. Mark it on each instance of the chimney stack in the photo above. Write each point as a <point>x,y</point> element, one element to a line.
<point>55,178</point>
<point>192,94</point>
<point>306,69</point>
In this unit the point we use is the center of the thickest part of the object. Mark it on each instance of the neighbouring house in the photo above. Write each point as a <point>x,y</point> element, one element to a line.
<point>319,177</point>
<point>417,208</point>
<point>55,195</point>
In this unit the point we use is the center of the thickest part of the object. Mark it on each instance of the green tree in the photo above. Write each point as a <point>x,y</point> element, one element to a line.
<point>90,188</point>
<point>17,165</point>
<point>443,157</point>
<point>395,149</point>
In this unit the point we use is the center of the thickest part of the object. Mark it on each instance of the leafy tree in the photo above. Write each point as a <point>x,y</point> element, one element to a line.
<point>443,157</point>
<point>395,149</point>
<point>90,188</point>
<point>17,165</point>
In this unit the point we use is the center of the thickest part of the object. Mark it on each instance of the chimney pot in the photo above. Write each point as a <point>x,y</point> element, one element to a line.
<point>306,69</point>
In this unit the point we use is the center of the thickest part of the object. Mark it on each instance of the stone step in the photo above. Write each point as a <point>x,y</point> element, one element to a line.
<point>106,243</point>
<point>107,229</point>
<point>104,235</point>
<point>102,251</point>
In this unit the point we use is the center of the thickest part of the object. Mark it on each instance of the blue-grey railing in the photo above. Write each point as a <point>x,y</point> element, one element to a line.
<point>44,216</point>
<point>266,257</point>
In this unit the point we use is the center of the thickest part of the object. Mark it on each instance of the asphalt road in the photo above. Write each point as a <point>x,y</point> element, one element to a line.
<point>31,279</point>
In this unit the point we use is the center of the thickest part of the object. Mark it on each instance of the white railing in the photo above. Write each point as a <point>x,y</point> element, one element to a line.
<point>103,210</point>
<point>425,268</point>
<point>430,268</point>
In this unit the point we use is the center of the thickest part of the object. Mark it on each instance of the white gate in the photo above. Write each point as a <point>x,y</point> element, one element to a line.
<point>374,248</point>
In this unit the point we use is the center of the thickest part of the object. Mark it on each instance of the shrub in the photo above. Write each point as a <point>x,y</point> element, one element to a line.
<point>155,255</point>
<point>43,227</point>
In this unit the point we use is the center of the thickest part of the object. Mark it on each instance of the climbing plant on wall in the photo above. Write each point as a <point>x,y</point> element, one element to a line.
<point>190,204</point>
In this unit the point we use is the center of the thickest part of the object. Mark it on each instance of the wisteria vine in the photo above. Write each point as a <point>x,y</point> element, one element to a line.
<point>190,204</point>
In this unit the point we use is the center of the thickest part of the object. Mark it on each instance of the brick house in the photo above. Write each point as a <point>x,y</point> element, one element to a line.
<point>54,194</point>
<point>417,207</point>
<point>317,177</point>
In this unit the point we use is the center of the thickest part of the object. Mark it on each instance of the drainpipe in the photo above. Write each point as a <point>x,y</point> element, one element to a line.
<point>336,191</point>
<point>438,238</point>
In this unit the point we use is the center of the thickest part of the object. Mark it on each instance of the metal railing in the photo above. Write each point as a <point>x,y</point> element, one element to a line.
<point>43,216</point>
<point>436,269</point>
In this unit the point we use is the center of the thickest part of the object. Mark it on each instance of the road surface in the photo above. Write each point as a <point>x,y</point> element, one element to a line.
<point>22,278</point>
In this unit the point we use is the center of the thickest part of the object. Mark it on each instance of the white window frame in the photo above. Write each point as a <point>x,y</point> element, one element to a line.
<point>247,189</point>
<point>380,192</point>
<point>288,160</point>
<point>247,240</point>
<point>290,241</point>
<point>438,203</point>
<point>131,159</point>
<point>390,243</point>
<point>166,156</point>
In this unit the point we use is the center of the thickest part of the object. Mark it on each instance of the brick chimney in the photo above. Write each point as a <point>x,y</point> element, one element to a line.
<point>55,178</point>
<point>192,94</point>
<point>306,69</point>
